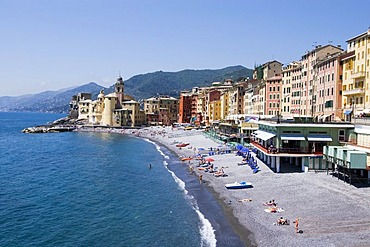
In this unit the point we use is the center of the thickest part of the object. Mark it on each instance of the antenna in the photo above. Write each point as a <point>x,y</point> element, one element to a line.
<point>119,73</point>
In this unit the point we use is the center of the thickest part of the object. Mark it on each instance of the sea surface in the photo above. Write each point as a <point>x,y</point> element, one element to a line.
<point>97,189</point>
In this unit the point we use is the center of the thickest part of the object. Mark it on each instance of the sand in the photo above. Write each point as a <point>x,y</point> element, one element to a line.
<point>330,211</point>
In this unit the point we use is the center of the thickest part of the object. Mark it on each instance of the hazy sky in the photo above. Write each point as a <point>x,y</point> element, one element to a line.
<point>55,44</point>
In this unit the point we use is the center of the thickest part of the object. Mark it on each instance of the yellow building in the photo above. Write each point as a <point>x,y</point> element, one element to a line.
<point>224,104</point>
<point>356,78</point>
<point>214,110</point>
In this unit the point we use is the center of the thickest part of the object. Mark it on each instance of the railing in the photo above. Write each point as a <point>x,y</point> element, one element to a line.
<point>361,120</point>
<point>274,150</point>
<point>353,91</point>
<point>358,74</point>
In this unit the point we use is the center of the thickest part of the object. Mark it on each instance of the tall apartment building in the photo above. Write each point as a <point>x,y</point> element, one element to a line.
<point>273,96</point>
<point>328,88</point>
<point>185,107</point>
<point>309,76</point>
<point>356,78</point>
<point>290,92</point>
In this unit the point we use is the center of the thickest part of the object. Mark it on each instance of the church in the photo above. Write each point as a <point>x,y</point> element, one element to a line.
<point>111,110</point>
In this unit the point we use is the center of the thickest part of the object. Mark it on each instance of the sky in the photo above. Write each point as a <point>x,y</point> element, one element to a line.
<point>57,44</point>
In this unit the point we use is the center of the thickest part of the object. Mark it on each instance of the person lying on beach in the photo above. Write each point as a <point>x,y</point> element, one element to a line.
<point>245,200</point>
<point>282,221</point>
<point>219,173</point>
<point>270,203</point>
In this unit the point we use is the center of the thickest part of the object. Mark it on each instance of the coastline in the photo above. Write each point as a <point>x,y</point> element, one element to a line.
<point>330,212</point>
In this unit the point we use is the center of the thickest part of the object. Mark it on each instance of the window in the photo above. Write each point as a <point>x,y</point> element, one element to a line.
<point>341,135</point>
<point>332,77</point>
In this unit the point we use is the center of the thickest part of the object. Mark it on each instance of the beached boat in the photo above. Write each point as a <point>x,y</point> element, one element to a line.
<point>239,185</point>
<point>181,145</point>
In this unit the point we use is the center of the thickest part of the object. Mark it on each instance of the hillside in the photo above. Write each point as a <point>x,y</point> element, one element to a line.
<point>48,101</point>
<point>172,83</point>
<point>139,86</point>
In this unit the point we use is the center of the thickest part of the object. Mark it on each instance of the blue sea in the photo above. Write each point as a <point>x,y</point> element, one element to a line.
<point>96,189</point>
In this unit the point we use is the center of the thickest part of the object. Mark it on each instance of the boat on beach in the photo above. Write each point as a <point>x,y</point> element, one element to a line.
<point>239,185</point>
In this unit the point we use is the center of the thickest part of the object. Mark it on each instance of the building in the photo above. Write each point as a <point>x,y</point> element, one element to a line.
<point>287,146</point>
<point>273,95</point>
<point>185,107</point>
<point>328,90</point>
<point>309,63</point>
<point>356,78</point>
<point>114,109</point>
<point>290,102</point>
<point>161,110</point>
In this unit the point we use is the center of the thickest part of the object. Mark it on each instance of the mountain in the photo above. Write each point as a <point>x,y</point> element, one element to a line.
<point>139,86</point>
<point>48,101</point>
<point>172,83</point>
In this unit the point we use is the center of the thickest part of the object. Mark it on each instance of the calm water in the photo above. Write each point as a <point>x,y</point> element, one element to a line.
<point>95,189</point>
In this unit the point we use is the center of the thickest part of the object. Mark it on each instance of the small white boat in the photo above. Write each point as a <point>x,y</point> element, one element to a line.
<point>239,185</point>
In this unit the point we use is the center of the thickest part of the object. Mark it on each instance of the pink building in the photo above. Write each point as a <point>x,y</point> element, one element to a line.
<point>328,103</point>
<point>273,96</point>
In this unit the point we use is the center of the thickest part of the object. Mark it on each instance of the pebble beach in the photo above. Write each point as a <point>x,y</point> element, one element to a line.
<point>330,211</point>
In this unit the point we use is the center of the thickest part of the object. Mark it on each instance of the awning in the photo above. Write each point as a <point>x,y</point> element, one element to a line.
<point>293,137</point>
<point>264,135</point>
<point>319,138</point>
<point>348,111</point>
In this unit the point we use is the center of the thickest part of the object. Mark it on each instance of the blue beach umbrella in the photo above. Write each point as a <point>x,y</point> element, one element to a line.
<point>245,150</point>
<point>239,147</point>
<point>200,148</point>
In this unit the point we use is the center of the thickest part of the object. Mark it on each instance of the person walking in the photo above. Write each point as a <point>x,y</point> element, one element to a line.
<point>200,178</point>
<point>296,225</point>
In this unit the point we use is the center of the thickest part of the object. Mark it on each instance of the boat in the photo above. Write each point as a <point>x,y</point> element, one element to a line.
<point>181,145</point>
<point>239,185</point>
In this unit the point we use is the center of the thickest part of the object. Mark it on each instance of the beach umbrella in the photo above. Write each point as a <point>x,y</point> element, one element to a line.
<point>239,147</point>
<point>200,148</point>
<point>209,159</point>
<point>244,150</point>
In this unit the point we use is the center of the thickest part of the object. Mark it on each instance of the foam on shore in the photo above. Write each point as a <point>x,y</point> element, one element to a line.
<point>206,230</point>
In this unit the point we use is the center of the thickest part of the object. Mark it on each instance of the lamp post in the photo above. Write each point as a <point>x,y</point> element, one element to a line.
<point>353,110</point>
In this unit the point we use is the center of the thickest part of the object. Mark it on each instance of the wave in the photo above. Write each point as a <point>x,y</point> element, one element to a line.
<point>158,148</point>
<point>207,233</point>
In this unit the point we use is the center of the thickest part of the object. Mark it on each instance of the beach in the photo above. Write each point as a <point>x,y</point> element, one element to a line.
<point>330,211</point>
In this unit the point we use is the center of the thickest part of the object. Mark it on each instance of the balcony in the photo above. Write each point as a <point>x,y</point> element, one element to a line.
<point>353,92</point>
<point>356,75</point>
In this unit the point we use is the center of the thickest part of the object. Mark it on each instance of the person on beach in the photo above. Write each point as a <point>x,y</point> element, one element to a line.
<point>296,222</point>
<point>200,178</point>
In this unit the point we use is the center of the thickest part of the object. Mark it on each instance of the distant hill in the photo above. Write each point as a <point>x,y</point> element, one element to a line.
<point>139,86</point>
<point>172,83</point>
<point>48,101</point>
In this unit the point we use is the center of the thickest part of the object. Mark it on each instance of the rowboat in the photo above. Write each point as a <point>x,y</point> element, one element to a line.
<point>239,185</point>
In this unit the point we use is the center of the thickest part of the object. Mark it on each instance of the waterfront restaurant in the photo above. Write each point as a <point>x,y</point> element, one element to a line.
<point>298,146</point>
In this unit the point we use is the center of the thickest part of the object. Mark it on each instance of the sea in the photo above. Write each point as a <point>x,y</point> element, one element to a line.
<point>98,189</point>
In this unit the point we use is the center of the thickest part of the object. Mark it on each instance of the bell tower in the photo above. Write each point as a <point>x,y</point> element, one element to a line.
<point>120,90</point>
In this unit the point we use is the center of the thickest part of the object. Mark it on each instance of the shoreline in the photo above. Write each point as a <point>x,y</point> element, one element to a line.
<point>244,234</point>
<point>330,211</point>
